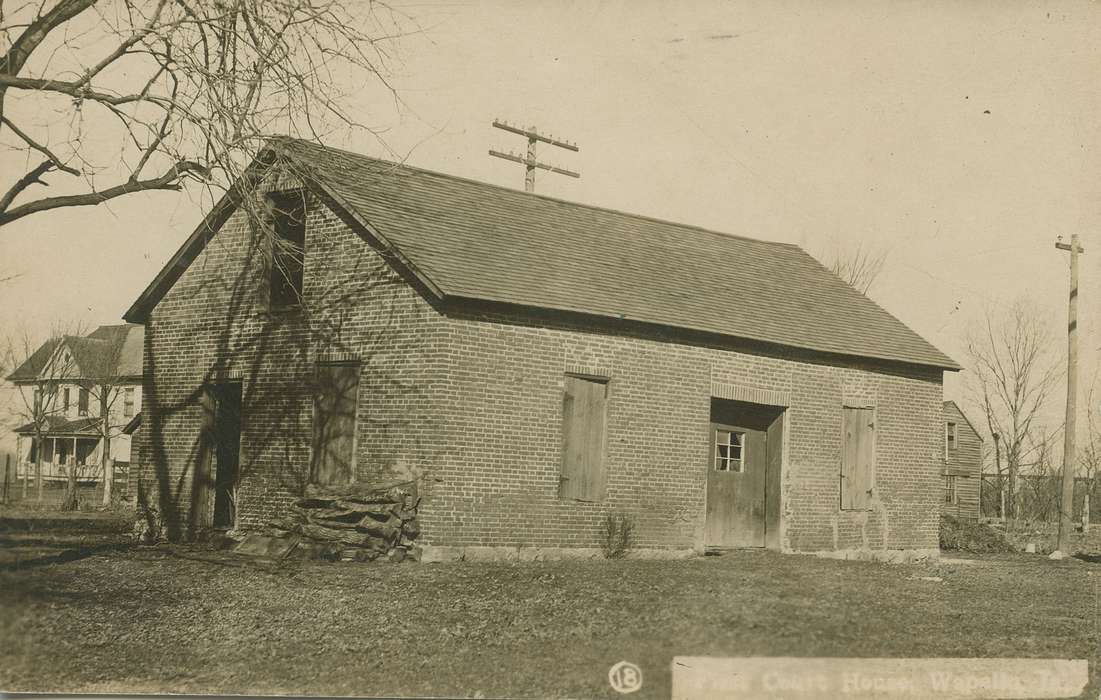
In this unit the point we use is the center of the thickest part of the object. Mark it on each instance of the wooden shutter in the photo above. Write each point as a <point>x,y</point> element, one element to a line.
<point>583,417</point>
<point>334,423</point>
<point>857,458</point>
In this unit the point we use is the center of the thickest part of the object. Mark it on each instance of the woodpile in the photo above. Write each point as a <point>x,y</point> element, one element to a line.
<point>352,523</point>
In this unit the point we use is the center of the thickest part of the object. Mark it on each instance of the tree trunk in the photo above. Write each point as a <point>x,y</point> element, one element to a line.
<point>70,502</point>
<point>1011,501</point>
<point>105,451</point>
<point>38,470</point>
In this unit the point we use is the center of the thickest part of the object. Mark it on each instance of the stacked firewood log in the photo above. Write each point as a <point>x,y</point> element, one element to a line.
<point>353,523</point>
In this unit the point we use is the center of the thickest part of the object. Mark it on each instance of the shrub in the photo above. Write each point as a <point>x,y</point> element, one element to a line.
<point>617,534</point>
<point>966,536</point>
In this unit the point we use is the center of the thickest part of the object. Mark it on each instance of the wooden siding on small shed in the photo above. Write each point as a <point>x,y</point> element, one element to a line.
<point>965,463</point>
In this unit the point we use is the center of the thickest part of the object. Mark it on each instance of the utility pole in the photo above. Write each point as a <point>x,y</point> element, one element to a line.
<point>529,161</point>
<point>1066,509</point>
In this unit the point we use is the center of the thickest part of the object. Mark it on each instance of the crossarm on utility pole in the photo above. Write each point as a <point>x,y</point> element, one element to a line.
<point>532,163</point>
<point>532,134</point>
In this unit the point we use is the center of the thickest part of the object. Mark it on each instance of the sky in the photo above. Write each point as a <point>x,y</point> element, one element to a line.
<point>960,138</point>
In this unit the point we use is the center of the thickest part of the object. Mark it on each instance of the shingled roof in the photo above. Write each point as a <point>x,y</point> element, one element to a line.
<point>108,351</point>
<point>471,240</point>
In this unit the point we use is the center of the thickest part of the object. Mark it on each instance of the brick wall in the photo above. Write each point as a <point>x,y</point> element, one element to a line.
<point>470,400</point>
<point>215,323</point>
<point>499,484</point>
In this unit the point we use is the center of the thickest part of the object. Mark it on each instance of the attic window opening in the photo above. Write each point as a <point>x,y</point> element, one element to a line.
<point>949,438</point>
<point>288,212</point>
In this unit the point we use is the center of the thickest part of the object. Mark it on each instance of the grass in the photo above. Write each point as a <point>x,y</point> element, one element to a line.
<point>157,620</point>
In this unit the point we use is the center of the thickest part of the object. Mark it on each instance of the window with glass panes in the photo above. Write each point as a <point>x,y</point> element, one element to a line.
<point>729,451</point>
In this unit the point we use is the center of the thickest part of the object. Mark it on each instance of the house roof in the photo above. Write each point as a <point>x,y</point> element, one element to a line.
<point>33,365</point>
<point>108,351</point>
<point>472,240</point>
<point>59,425</point>
<point>952,405</point>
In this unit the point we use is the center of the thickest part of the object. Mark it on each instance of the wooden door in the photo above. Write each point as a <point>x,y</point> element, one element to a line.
<point>858,458</point>
<point>736,486</point>
<point>334,424</point>
<point>583,418</point>
<point>227,437</point>
<point>202,484</point>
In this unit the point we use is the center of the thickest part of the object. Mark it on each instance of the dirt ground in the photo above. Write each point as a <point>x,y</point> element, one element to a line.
<point>185,621</point>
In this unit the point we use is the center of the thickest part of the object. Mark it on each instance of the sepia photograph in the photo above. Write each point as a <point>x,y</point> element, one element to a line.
<point>550,348</point>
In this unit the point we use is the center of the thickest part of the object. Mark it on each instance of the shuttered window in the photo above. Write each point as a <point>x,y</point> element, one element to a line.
<point>334,423</point>
<point>857,458</point>
<point>583,427</point>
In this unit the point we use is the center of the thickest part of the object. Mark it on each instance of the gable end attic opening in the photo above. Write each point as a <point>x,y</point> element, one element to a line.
<point>466,240</point>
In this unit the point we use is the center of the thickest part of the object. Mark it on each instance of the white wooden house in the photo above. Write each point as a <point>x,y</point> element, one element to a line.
<point>65,388</point>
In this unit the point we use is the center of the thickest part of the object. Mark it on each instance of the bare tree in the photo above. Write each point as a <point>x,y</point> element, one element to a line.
<point>1089,459</point>
<point>1011,375</point>
<point>859,266</point>
<point>189,89</point>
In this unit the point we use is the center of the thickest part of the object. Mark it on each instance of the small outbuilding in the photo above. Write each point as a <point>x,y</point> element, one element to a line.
<point>962,464</point>
<point>530,366</point>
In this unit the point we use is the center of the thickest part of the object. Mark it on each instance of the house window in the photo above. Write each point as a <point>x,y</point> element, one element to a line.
<point>857,458</point>
<point>583,426</point>
<point>65,401</point>
<point>729,451</point>
<point>288,210</point>
<point>128,402</point>
<point>950,495</point>
<point>334,423</point>
<point>82,402</point>
<point>949,438</point>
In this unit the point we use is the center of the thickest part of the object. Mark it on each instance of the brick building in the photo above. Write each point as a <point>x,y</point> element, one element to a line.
<point>962,464</point>
<point>532,365</point>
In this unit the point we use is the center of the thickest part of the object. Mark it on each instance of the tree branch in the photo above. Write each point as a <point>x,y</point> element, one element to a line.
<point>38,147</point>
<point>24,182</point>
<point>21,49</point>
<point>169,181</point>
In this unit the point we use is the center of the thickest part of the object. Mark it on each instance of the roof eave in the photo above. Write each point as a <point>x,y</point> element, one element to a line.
<point>949,365</point>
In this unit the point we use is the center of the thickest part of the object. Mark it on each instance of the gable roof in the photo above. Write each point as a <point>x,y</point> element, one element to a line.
<point>953,408</point>
<point>472,240</point>
<point>108,351</point>
<point>33,365</point>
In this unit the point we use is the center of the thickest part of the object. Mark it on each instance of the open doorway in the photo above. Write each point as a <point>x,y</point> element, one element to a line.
<point>218,469</point>
<point>743,475</point>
